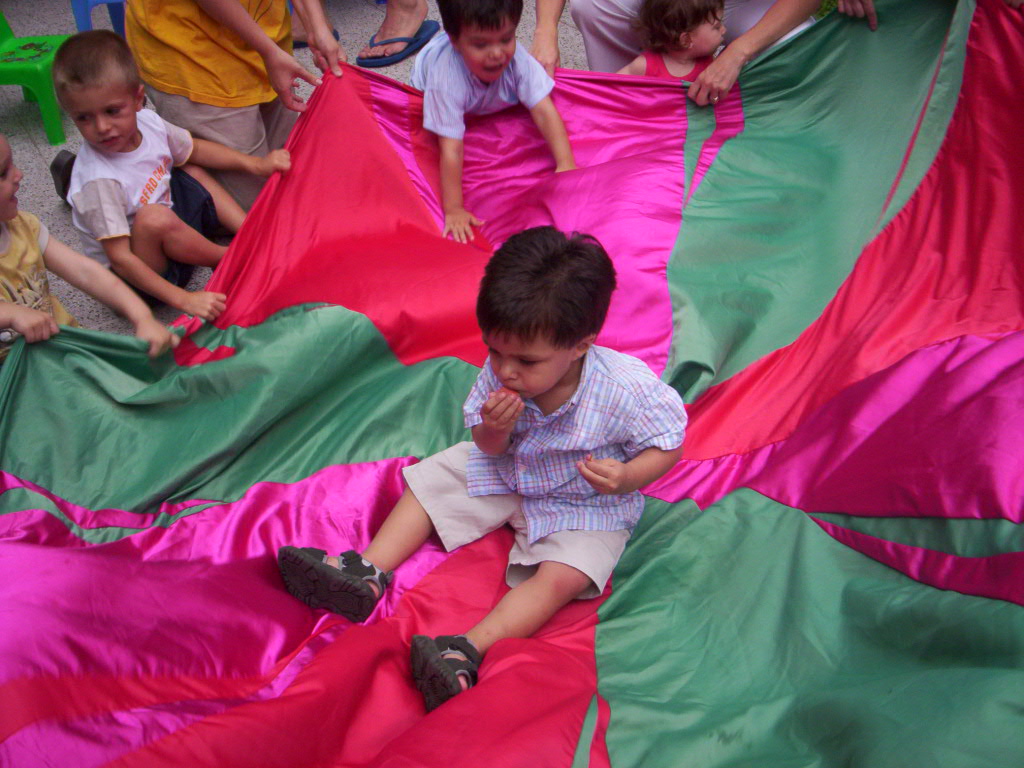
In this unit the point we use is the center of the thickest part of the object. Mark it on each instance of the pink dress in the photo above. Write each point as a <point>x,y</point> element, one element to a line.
<point>656,66</point>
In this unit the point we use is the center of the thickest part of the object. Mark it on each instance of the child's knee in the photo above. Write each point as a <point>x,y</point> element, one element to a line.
<point>563,579</point>
<point>153,219</point>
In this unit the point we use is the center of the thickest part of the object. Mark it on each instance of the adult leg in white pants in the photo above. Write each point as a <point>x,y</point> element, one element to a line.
<point>607,29</point>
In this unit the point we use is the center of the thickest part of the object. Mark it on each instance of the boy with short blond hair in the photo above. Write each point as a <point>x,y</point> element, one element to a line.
<point>477,68</point>
<point>565,433</point>
<point>137,205</point>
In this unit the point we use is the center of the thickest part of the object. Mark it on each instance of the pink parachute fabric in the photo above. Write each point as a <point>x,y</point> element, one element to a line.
<point>827,267</point>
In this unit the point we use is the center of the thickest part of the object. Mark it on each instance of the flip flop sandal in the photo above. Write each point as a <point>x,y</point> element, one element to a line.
<point>426,31</point>
<point>436,677</point>
<point>345,590</point>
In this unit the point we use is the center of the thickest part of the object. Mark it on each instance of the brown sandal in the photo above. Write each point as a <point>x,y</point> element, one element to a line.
<point>346,590</point>
<point>436,677</point>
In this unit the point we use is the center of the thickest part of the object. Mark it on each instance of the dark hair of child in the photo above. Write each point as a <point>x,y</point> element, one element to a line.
<point>482,14</point>
<point>542,283</point>
<point>94,58</point>
<point>661,22</point>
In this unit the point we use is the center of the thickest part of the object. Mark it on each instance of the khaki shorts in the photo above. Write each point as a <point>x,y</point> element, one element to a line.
<point>439,484</point>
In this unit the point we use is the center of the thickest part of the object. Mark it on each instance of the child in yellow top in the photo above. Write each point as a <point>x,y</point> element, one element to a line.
<point>27,250</point>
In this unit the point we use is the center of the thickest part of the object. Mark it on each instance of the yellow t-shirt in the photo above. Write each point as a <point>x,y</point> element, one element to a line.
<point>180,49</point>
<point>23,277</point>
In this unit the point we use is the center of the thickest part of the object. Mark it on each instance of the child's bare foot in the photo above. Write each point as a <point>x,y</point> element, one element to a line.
<point>443,667</point>
<point>346,585</point>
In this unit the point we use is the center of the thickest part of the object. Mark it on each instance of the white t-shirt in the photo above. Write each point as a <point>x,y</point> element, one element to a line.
<point>451,91</point>
<point>108,188</point>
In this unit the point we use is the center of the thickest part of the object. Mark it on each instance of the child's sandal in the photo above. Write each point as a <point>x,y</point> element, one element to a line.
<point>346,590</point>
<point>438,678</point>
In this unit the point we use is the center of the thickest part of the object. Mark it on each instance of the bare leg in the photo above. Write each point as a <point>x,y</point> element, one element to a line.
<point>229,212</point>
<point>401,19</point>
<point>527,607</point>
<point>404,531</point>
<point>524,609</point>
<point>158,234</point>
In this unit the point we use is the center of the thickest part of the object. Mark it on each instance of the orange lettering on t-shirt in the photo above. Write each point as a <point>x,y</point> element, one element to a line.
<point>153,182</point>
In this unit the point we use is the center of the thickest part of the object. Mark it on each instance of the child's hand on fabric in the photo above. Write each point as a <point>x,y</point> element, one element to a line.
<point>460,225</point>
<point>159,338</point>
<point>502,410</point>
<point>277,160</point>
<point>204,304</point>
<point>569,165</point>
<point>605,475</point>
<point>863,9</point>
<point>33,324</point>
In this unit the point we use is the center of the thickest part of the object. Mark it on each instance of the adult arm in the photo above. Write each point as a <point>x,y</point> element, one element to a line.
<point>545,35</point>
<point>282,68</point>
<point>611,476</point>
<point>327,52</point>
<point>717,80</point>
<point>550,124</point>
<point>457,220</point>
<point>100,283</point>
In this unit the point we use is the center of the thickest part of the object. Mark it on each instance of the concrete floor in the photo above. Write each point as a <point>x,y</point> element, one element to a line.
<point>355,20</point>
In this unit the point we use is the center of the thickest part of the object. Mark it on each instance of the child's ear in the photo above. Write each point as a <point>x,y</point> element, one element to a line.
<point>140,98</point>
<point>583,345</point>
<point>685,41</point>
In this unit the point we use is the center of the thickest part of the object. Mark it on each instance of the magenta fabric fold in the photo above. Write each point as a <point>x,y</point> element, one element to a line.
<point>938,434</point>
<point>173,594</point>
<point>82,516</point>
<point>729,122</point>
<point>101,738</point>
<point>997,576</point>
<point>634,133</point>
<point>399,114</point>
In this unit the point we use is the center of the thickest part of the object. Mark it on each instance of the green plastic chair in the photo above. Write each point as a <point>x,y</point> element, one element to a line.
<point>26,61</point>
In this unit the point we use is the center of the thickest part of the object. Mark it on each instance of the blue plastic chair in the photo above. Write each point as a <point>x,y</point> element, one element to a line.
<point>83,14</point>
<point>26,61</point>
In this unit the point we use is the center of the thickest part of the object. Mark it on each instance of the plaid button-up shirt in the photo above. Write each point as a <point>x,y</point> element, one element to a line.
<point>619,409</point>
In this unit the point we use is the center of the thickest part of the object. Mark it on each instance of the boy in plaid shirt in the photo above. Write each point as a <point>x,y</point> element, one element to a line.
<point>565,433</point>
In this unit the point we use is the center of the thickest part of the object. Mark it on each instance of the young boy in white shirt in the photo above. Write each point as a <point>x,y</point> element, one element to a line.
<point>130,183</point>
<point>476,68</point>
<point>565,433</point>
